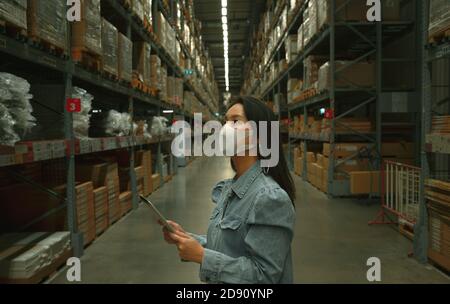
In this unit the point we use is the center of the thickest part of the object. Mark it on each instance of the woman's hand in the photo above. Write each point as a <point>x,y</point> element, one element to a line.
<point>189,249</point>
<point>166,233</point>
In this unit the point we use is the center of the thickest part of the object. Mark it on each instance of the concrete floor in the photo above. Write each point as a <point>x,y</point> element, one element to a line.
<point>332,240</point>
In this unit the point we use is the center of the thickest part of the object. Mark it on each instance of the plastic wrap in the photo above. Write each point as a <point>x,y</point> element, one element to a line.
<point>361,74</point>
<point>300,42</point>
<point>15,110</point>
<point>155,71</point>
<point>87,33</point>
<point>170,89</point>
<point>118,124</point>
<point>439,16</point>
<point>161,25</point>
<point>291,47</point>
<point>148,10</point>
<point>310,22</point>
<point>312,65</point>
<point>81,120</point>
<point>163,82</point>
<point>142,60</point>
<point>138,9</point>
<point>160,126</point>
<point>109,48</point>
<point>125,58</point>
<point>15,12</point>
<point>142,129</point>
<point>47,21</point>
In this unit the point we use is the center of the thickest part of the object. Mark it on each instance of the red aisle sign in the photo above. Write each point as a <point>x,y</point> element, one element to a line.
<point>73,105</point>
<point>329,114</point>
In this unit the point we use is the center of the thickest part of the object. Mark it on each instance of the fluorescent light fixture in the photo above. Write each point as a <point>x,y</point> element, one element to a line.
<point>225,42</point>
<point>322,111</point>
<point>167,111</point>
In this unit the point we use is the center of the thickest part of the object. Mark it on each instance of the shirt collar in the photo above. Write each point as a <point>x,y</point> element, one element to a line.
<point>243,183</point>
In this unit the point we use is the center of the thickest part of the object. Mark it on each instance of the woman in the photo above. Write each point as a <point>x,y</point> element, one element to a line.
<point>251,228</point>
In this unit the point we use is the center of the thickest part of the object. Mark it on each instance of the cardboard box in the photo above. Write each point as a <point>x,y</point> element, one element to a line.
<point>87,33</point>
<point>156,180</point>
<point>298,166</point>
<point>110,45</point>
<point>94,172</point>
<point>361,74</point>
<point>125,58</point>
<point>343,149</point>
<point>47,21</point>
<point>142,61</point>
<point>364,182</point>
<point>397,150</point>
<point>311,157</point>
<point>319,158</point>
<point>14,12</point>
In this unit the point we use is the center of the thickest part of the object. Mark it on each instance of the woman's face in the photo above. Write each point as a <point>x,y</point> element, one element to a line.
<point>236,114</point>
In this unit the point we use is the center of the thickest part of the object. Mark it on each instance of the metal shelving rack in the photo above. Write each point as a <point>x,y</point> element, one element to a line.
<point>23,53</point>
<point>430,144</point>
<point>367,40</point>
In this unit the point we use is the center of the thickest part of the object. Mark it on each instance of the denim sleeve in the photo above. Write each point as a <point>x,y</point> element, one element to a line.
<point>268,242</point>
<point>200,238</point>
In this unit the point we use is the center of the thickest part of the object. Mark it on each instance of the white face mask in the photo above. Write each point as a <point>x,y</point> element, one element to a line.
<point>236,139</point>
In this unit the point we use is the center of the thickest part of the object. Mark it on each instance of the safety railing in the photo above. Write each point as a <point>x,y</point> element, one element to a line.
<point>400,187</point>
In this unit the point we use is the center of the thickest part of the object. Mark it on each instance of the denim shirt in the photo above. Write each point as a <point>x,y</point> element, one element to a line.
<point>250,232</point>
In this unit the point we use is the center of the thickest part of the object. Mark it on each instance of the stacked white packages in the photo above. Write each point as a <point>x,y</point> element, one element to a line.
<point>82,118</point>
<point>160,126</point>
<point>22,255</point>
<point>15,109</point>
<point>119,124</point>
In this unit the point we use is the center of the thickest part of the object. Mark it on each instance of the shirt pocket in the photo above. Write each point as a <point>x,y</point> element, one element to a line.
<point>231,222</point>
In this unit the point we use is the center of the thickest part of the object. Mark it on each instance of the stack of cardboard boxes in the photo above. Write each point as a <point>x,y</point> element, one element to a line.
<point>362,177</point>
<point>101,209</point>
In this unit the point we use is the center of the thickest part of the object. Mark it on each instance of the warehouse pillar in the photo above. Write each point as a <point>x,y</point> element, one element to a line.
<point>75,236</point>
<point>421,227</point>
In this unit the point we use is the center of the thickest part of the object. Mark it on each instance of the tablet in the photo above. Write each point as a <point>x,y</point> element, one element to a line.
<point>158,216</point>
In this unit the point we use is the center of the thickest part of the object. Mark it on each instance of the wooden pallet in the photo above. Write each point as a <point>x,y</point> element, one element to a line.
<point>48,46</point>
<point>88,60</point>
<point>153,91</point>
<point>44,273</point>
<point>110,76</point>
<point>439,36</point>
<point>139,85</point>
<point>306,94</point>
<point>13,30</point>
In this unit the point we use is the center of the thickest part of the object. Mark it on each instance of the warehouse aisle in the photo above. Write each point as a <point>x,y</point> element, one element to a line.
<point>332,241</point>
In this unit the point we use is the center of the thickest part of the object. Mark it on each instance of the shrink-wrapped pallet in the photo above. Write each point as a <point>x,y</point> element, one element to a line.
<point>125,58</point>
<point>47,22</point>
<point>109,47</point>
<point>14,12</point>
<point>87,33</point>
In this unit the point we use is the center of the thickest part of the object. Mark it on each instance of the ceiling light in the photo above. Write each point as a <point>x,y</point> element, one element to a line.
<point>167,111</point>
<point>224,11</point>
<point>224,20</point>
<point>224,3</point>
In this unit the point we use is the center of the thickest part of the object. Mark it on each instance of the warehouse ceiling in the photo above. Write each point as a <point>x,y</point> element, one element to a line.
<point>243,17</point>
